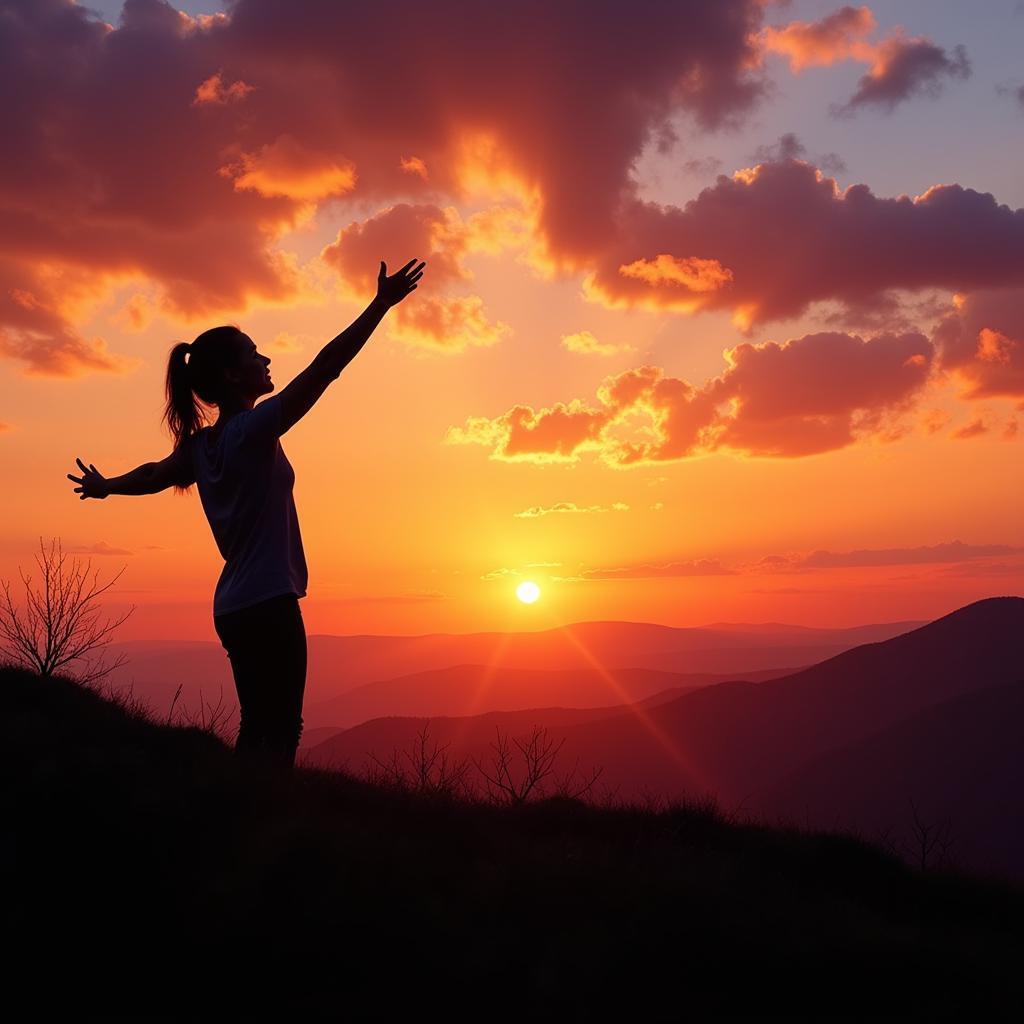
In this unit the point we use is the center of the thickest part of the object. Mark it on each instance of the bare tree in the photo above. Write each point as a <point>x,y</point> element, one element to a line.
<point>924,844</point>
<point>429,772</point>
<point>929,843</point>
<point>539,760</point>
<point>58,624</point>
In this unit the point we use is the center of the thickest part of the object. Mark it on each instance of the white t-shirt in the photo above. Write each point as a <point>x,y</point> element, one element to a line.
<point>245,485</point>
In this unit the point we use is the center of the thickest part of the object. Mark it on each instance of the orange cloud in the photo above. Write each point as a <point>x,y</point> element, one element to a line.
<point>448,325</point>
<point>973,429</point>
<point>37,305</point>
<point>214,91</point>
<point>585,343</point>
<point>836,37</point>
<point>136,314</point>
<point>414,165</point>
<point>536,511</point>
<point>688,274</point>
<point>818,392</point>
<point>285,167</point>
<point>809,395</point>
<point>994,347</point>
<point>398,234</point>
<point>552,435</point>
<point>981,343</point>
<point>901,66</point>
<point>424,232</point>
<point>935,420</point>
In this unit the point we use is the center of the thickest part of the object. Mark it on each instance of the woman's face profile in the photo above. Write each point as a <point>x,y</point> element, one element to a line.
<point>251,373</point>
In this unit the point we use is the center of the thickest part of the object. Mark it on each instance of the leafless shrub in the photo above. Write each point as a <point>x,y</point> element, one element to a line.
<point>926,845</point>
<point>538,758</point>
<point>428,771</point>
<point>57,625</point>
<point>930,842</point>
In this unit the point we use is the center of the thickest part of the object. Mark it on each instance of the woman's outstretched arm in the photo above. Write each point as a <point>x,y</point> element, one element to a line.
<point>141,480</point>
<point>303,392</point>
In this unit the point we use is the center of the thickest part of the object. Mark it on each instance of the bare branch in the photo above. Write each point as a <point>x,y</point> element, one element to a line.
<point>56,624</point>
<point>430,771</point>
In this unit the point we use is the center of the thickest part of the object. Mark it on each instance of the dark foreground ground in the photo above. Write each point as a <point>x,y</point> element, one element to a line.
<point>146,873</point>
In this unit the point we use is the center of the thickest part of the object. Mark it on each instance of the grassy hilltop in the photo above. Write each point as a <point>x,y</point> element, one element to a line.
<point>149,873</point>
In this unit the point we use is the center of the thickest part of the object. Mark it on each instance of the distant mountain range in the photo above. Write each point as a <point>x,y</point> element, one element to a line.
<point>871,729</point>
<point>587,664</point>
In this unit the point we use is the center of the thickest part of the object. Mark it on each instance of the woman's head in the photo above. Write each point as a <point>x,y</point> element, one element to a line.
<point>221,368</point>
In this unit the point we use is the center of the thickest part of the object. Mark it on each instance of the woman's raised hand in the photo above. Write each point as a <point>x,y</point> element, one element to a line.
<point>94,485</point>
<point>395,288</point>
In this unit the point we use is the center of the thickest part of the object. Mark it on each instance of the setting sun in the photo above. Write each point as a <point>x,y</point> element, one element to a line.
<point>527,592</point>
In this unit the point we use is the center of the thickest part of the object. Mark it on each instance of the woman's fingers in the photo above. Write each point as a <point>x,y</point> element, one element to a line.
<point>81,464</point>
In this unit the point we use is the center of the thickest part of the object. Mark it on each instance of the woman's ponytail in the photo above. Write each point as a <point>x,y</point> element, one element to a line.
<point>182,412</point>
<point>194,378</point>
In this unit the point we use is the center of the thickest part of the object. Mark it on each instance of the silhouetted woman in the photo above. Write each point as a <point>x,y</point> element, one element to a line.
<point>245,485</point>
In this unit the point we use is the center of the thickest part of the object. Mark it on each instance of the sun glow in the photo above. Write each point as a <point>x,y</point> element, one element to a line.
<point>527,592</point>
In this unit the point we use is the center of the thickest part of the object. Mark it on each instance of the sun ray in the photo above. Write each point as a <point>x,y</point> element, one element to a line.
<point>662,738</point>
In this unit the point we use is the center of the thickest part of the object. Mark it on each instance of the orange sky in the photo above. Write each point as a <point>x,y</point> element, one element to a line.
<point>709,481</point>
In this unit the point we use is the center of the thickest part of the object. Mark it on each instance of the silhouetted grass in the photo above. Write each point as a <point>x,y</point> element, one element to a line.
<point>148,872</point>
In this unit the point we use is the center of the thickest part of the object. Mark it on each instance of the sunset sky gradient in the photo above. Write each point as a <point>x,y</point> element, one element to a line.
<point>722,319</point>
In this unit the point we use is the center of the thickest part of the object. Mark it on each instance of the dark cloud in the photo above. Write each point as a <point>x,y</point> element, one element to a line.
<point>697,567</point>
<point>789,147</point>
<point>769,241</point>
<point>981,343</point>
<point>701,166</point>
<point>973,429</point>
<point>904,68</point>
<point>900,66</point>
<point>179,148</point>
<point>101,547</point>
<point>955,551</point>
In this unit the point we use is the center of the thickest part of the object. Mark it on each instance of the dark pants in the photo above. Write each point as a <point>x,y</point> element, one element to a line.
<point>266,644</point>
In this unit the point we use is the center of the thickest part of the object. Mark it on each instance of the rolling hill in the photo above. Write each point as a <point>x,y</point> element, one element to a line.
<point>738,740</point>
